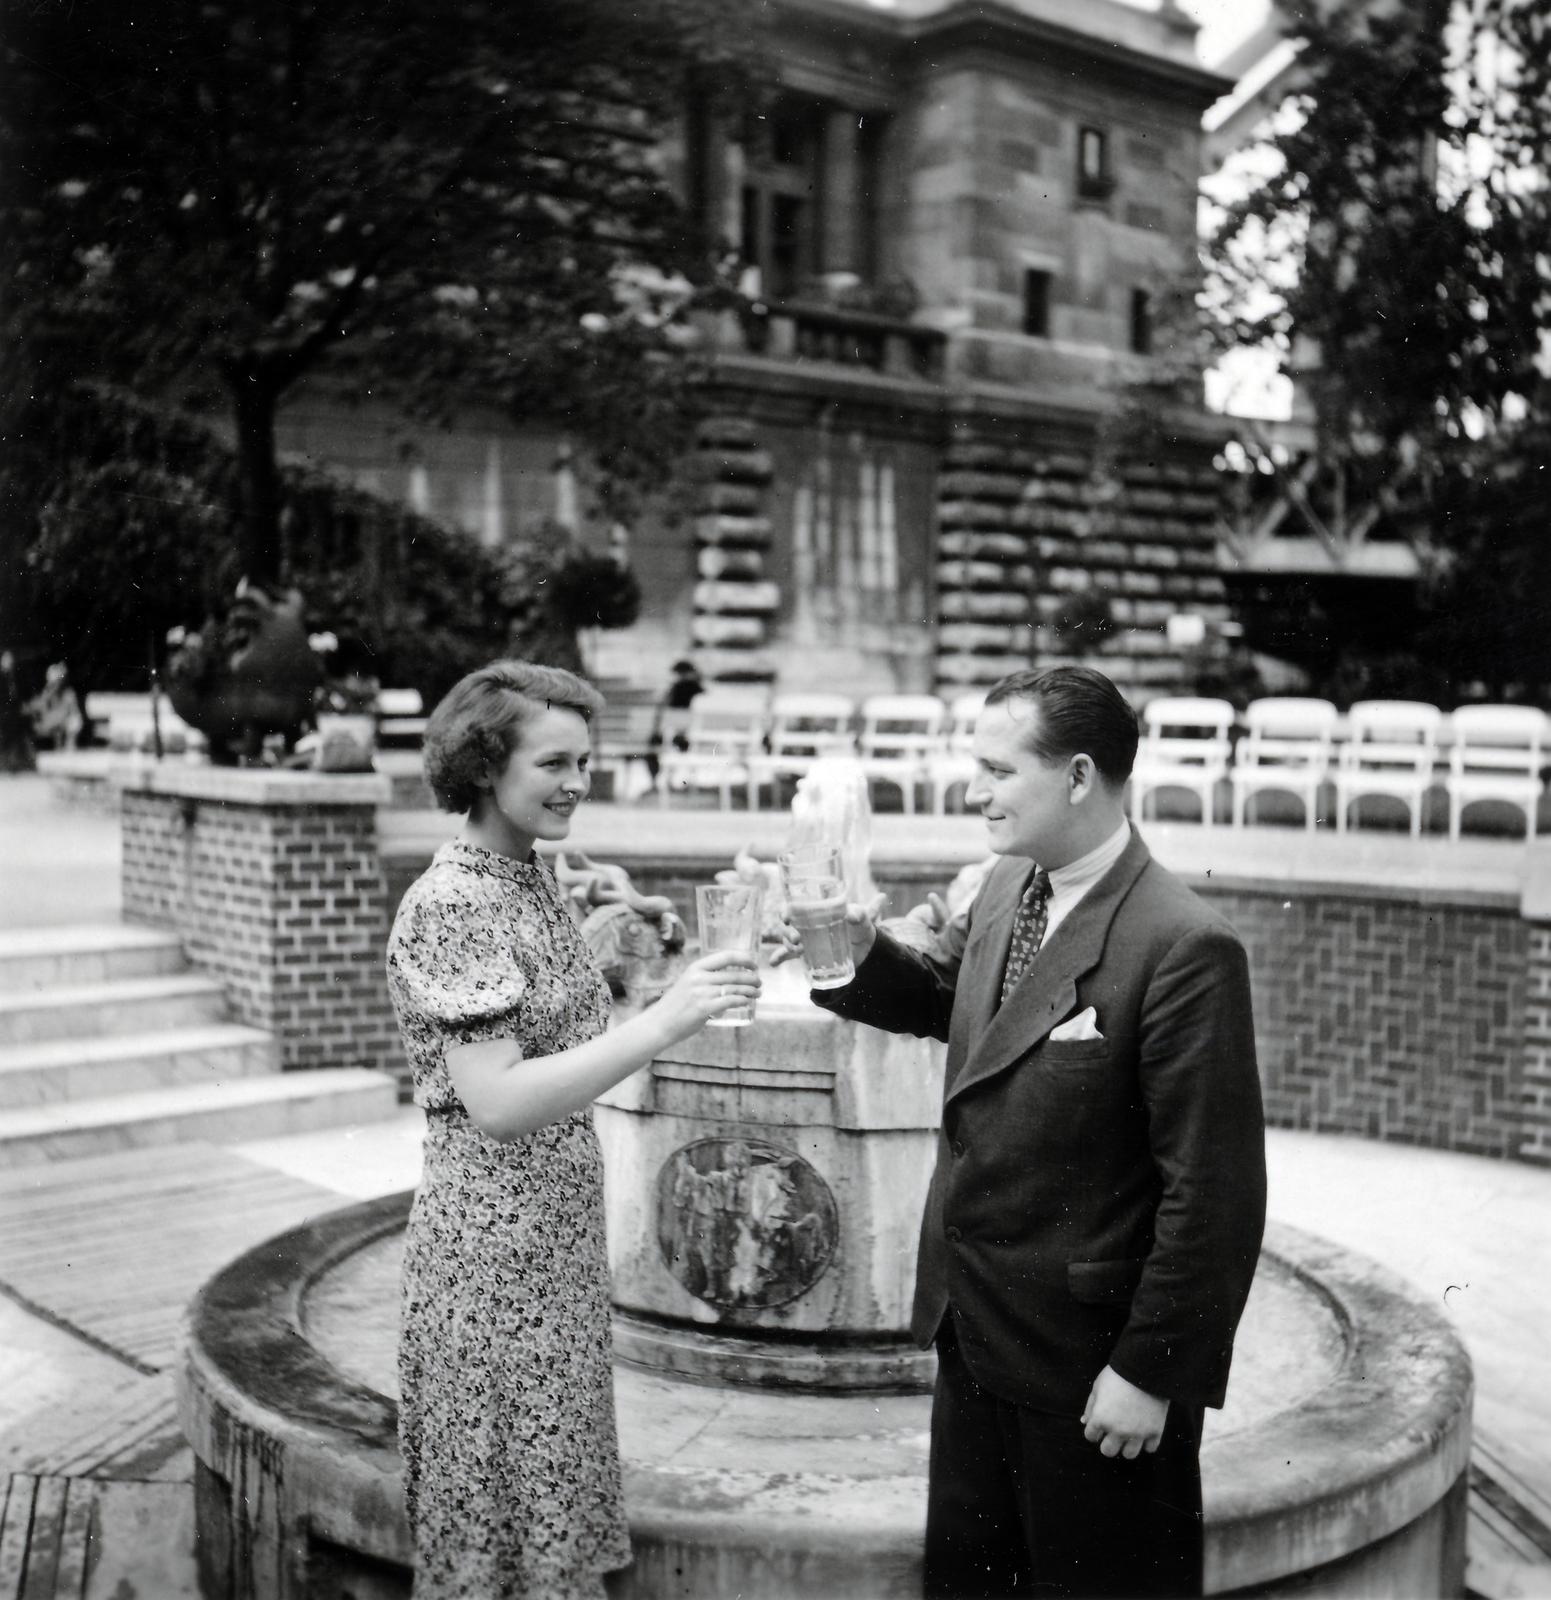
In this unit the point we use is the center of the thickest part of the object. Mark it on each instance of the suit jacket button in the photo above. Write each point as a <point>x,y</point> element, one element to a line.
<point>953,1234</point>
<point>958,1147</point>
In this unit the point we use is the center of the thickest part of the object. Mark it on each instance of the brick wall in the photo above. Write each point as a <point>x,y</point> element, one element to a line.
<point>1390,1019</point>
<point>1375,1015</point>
<point>1535,1098</point>
<point>285,903</point>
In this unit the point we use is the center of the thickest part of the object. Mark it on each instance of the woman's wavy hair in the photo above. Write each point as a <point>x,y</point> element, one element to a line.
<point>472,733</point>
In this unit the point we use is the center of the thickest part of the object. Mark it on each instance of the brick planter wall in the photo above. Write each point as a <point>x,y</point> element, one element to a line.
<point>1535,1092</point>
<point>1418,1017</point>
<point>1391,1019</point>
<point>273,883</point>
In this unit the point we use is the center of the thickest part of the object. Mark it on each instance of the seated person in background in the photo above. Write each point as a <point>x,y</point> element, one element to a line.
<point>55,710</point>
<point>681,692</point>
<point>685,686</point>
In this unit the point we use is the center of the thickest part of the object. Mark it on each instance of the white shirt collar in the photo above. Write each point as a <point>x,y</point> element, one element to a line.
<point>1077,877</point>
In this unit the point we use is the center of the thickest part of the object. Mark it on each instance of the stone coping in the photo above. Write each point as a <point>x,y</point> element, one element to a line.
<point>259,786</point>
<point>1500,874</point>
<point>1359,1459</point>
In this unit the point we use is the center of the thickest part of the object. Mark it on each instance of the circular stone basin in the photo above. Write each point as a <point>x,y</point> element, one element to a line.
<point>1290,1345</point>
<point>1337,1461</point>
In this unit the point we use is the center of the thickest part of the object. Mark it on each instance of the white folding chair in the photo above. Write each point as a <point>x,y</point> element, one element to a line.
<point>726,730</point>
<point>1186,746</point>
<point>956,765</point>
<point>622,742</point>
<point>401,717</point>
<point>901,733</point>
<point>1391,748</point>
<point>804,728</point>
<point>1497,755</point>
<point>1287,751</point>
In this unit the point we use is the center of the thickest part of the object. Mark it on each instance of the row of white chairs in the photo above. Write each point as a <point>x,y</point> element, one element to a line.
<point>1295,745</point>
<point>737,737</point>
<point>743,737</point>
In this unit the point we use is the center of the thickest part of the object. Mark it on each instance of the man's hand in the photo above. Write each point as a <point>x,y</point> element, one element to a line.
<point>1121,1419</point>
<point>860,930</point>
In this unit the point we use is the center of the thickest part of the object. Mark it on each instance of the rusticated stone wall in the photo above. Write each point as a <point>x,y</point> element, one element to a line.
<point>734,597</point>
<point>1041,561</point>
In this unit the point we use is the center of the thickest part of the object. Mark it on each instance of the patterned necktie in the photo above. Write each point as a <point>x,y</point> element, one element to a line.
<point>1028,930</point>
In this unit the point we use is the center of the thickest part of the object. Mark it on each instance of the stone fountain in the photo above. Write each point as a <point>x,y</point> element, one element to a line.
<point>764,1189</point>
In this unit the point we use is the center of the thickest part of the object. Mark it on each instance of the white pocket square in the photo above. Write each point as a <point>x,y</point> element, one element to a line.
<point>1085,1025</point>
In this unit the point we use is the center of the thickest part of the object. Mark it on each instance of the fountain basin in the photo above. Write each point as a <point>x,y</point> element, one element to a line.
<point>1337,1466</point>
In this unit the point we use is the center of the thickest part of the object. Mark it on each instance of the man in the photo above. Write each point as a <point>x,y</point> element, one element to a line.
<point>1095,1217</point>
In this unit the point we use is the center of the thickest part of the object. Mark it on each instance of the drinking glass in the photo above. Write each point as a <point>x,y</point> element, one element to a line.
<point>815,885</point>
<point>730,920</point>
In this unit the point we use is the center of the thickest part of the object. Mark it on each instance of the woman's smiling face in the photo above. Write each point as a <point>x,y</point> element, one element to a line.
<point>544,780</point>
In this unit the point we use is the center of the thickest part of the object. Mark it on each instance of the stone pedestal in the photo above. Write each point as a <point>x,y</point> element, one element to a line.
<point>273,883</point>
<point>765,1187</point>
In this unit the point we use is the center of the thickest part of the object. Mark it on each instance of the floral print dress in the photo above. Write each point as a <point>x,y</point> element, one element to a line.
<point>506,1422</point>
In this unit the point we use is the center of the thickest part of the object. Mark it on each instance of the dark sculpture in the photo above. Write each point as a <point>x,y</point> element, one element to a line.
<point>247,675</point>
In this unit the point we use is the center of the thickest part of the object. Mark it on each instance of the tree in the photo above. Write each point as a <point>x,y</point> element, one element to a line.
<point>213,199</point>
<point>135,537</point>
<point>1396,253</point>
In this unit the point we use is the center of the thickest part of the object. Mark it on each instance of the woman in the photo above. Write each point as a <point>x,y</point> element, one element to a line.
<point>507,1411</point>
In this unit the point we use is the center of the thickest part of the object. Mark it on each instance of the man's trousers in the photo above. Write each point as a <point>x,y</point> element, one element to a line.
<point>1020,1503</point>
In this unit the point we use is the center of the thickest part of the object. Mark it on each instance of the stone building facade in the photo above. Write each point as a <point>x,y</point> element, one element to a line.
<point>960,219</point>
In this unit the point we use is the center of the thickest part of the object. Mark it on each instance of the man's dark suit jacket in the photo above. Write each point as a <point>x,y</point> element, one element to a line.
<point>1096,1202</point>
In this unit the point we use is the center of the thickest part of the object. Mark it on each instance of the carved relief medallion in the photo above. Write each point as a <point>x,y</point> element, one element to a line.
<point>744,1225</point>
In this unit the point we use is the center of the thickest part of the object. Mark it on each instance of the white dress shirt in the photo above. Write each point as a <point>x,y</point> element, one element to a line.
<point>1070,883</point>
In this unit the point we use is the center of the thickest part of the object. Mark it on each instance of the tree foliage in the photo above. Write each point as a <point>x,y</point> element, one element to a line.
<point>216,198</point>
<point>1397,232</point>
<point>1396,253</point>
<point>135,537</point>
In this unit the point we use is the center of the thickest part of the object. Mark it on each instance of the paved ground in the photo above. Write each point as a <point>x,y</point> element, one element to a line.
<point>59,860</point>
<point>83,1403</point>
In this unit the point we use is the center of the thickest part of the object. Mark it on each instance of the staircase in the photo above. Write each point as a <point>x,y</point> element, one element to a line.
<point>109,1042</point>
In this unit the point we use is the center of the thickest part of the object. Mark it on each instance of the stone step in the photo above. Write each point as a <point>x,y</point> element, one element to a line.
<point>69,1069</point>
<point>37,958</point>
<point>263,1107</point>
<point>123,1005</point>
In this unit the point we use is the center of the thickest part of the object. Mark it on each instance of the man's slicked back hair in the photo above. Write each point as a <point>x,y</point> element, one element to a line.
<point>471,734</point>
<point>1080,713</point>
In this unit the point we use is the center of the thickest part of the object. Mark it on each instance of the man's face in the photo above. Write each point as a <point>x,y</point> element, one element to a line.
<point>1027,803</point>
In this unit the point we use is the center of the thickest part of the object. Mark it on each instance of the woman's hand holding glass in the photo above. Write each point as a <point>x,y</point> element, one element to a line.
<point>707,988</point>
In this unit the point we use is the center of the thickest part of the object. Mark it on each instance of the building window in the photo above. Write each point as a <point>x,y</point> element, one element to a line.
<point>783,154</point>
<point>1094,181</point>
<point>1036,303</point>
<point>1141,322</point>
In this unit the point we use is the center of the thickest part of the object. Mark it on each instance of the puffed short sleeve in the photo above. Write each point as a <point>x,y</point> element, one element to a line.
<point>453,967</point>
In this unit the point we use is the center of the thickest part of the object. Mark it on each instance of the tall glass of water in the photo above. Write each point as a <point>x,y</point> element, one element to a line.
<point>730,920</point>
<point>815,883</point>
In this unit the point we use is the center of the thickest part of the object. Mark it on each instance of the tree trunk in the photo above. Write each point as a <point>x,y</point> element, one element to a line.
<point>258,539</point>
